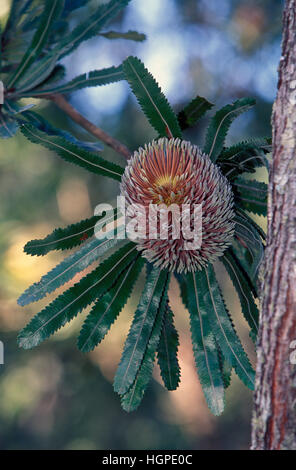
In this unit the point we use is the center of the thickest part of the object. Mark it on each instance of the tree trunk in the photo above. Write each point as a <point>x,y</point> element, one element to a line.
<point>274,420</point>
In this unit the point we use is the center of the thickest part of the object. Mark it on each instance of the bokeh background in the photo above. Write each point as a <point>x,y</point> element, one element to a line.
<point>55,397</point>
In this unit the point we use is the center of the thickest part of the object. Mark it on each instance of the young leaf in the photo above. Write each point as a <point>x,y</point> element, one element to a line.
<point>73,154</point>
<point>65,307</point>
<point>151,99</point>
<point>132,399</point>
<point>67,269</point>
<point>212,301</point>
<point>89,28</point>
<point>241,285</point>
<point>51,13</point>
<point>89,79</point>
<point>140,331</point>
<point>66,238</point>
<point>193,112</point>
<point>130,35</point>
<point>107,308</point>
<point>204,347</point>
<point>220,123</point>
<point>251,195</point>
<point>167,352</point>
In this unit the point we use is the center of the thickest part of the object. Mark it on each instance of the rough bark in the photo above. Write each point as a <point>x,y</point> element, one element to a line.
<point>274,420</point>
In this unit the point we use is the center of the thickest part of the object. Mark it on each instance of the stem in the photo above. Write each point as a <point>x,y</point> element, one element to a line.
<point>67,108</point>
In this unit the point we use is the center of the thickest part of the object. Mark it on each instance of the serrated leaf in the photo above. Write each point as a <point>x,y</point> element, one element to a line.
<point>132,399</point>
<point>68,237</point>
<point>167,352</point>
<point>193,112</point>
<point>130,35</point>
<point>89,79</point>
<point>212,301</point>
<point>67,305</point>
<point>251,195</point>
<point>67,269</point>
<point>54,77</point>
<point>43,125</point>
<point>140,331</point>
<point>151,99</point>
<point>251,221</point>
<point>73,154</point>
<point>204,347</point>
<point>51,13</point>
<point>240,158</point>
<point>107,308</point>
<point>242,287</point>
<point>250,238</point>
<point>244,262</point>
<point>220,123</point>
<point>89,28</point>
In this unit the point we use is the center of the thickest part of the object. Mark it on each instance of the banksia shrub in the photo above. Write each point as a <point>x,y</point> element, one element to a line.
<point>167,171</point>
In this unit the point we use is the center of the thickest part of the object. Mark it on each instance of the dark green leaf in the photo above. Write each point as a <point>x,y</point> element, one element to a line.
<point>107,308</point>
<point>89,28</point>
<point>132,399</point>
<point>71,5</point>
<point>167,353</point>
<point>251,221</point>
<point>193,112</point>
<point>51,13</point>
<point>43,125</point>
<point>251,195</point>
<point>71,153</point>
<point>250,238</point>
<point>241,284</point>
<point>220,123</point>
<point>66,306</point>
<point>241,158</point>
<point>225,367</point>
<point>140,331</point>
<point>151,99</point>
<point>212,301</point>
<point>36,74</point>
<point>67,269</point>
<point>66,238</point>
<point>95,78</point>
<point>204,346</point>
<point>130,35</point>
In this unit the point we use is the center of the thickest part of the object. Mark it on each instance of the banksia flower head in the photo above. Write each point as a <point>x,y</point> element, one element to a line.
<point>176,173</point>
